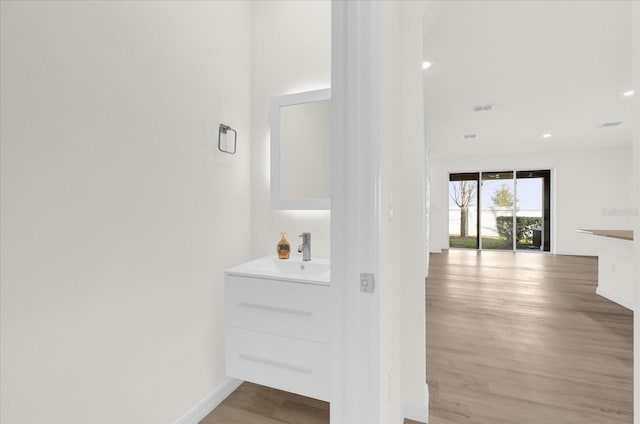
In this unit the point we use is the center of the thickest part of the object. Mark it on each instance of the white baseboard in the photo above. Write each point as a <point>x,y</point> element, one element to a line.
<point>418,412</point>
<point>208,404</point>
<point>620,301</point>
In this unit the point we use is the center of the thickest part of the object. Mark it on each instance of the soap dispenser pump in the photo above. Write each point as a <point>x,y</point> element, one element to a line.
<point>283,247</point>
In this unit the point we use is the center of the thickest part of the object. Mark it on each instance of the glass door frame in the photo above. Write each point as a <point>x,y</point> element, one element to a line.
<point>547,174</point>
<point>513,209</point>
<point>470,176</point>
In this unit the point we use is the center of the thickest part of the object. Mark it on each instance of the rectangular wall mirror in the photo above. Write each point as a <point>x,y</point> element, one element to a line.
<point>301,150</point>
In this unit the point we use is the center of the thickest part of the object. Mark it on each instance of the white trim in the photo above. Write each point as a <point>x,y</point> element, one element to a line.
<point>416,412</point>
<point>208,404</point>
<point>612,297</point>
<point>554,211</point>
<point>277,202</point>
<point>355,211</point>
<point>427,204</point>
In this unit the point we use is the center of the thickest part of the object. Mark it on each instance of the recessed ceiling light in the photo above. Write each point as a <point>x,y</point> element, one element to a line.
<point>426,65</point>
<point>471,136</point>
<point>611,124</point>
<point>547,135</point>
<point>628,93</point>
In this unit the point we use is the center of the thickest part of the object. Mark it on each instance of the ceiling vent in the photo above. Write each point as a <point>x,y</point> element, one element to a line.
<point>611,124</point>
<point>484,107</point>
<point>471,137</point>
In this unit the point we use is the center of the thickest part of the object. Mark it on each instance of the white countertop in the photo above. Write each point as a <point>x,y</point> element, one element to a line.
<point>617,234</point>
<point>315,271</point>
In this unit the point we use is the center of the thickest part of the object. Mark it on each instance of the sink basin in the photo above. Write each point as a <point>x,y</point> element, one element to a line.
<point>315,271</point>
<point>301,267</point>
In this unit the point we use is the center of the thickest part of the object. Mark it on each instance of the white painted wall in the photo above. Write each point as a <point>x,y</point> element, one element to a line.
<point>634,22</point>
<point>356,376</point>
<point>378,213</point>
<point>118,214</point>
<point>616,271</point>
<point>290,53</point>
<point>592,189</point>
<point>402,229</point>
<point>391,248</point>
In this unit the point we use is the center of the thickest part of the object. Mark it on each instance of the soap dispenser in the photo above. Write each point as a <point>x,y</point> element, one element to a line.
<point>283,247</point>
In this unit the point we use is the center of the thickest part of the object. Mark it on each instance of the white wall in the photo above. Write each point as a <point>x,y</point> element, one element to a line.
<point>118,214</point>
<point>378,212</point>
<point>593,189</point>
<point>402,208</point>
<point>634,20</point>
<point>290,52</point>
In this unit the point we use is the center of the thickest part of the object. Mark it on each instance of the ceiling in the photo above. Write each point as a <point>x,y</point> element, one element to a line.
<point>553,67</point>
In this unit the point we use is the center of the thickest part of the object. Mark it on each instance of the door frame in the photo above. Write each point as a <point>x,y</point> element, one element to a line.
<point>552,197</point>
<point>355,212</point>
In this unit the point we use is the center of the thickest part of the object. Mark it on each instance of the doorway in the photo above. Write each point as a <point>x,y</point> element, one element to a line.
<point>500,210</point>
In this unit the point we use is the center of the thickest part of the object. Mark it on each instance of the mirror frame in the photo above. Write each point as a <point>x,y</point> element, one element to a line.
<point>277,202</point>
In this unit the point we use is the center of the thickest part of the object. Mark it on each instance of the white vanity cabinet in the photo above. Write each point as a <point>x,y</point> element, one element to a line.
<point>278,333</point>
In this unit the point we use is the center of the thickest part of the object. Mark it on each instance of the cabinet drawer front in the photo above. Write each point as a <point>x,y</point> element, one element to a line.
<point>284,308</point>
<point>284,363</point>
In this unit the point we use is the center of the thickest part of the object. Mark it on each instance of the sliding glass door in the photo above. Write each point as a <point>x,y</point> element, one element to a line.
<point>532,215</point>
<point>497,206</point>
<point>505,210</point>
<point>463,210</point>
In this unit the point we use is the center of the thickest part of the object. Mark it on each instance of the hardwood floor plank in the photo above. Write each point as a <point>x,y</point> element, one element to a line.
<point>523,338</point>
<point>300,412</point>
<point>257,404</point>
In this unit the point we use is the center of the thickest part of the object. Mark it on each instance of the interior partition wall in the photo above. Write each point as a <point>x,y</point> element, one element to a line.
<point>500,210</point>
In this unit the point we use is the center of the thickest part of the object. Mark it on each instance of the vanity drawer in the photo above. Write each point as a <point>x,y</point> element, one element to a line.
<point>285,363</point>
<point>278,307</point>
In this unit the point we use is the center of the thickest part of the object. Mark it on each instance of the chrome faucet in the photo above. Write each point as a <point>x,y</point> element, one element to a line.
<point>305,247</point>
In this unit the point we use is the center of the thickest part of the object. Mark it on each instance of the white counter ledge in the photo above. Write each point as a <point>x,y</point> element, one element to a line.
<point>616,268</point>
<point>617,234</point>
<point>315,271</point>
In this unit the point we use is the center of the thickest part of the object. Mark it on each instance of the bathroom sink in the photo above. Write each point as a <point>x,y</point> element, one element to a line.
<point>315,271</point>
<point>300,267</point>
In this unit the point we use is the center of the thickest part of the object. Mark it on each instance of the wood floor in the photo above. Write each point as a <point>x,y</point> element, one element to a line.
<point>253,404</point>
<point>523,338</point>
<point>511,339</point>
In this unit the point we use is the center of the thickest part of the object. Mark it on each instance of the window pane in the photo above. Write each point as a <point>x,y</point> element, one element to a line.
<point>529,214</point>
<point>463,211</point>
<point>496,219</point>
